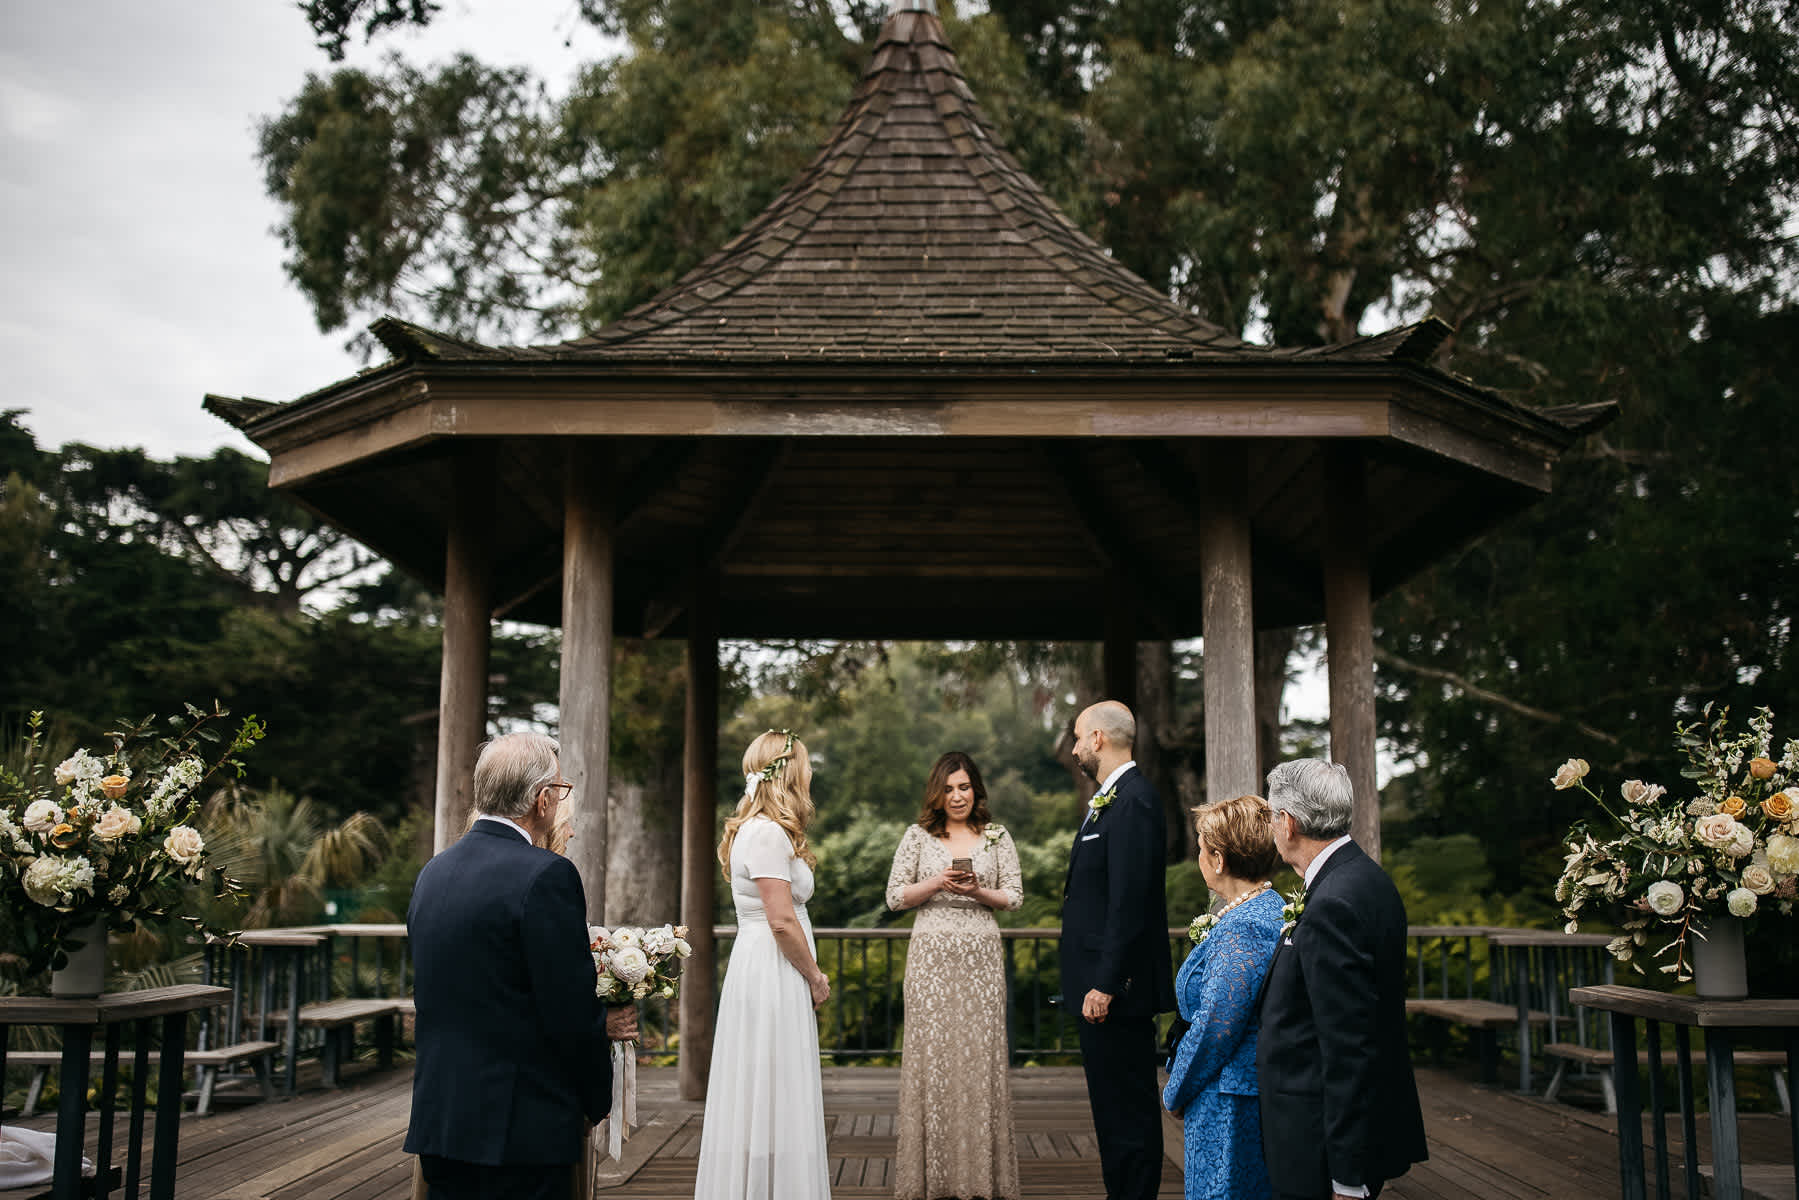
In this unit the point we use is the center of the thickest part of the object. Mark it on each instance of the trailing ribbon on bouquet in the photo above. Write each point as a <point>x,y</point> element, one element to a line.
<point>624,1097</point>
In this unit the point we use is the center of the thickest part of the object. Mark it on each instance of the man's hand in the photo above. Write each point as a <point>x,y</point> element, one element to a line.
<point>1095,1006</point>
<point>621,1023</point>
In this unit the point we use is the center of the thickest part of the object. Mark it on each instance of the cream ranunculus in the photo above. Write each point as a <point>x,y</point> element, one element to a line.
<point>1741,902</point>
<point>41,816</point>
<point>1665,898</point>
<point>115,823</point>
<point>1716,830</point>
<point>185,845</point>
<point>1570,773</point>
<point>630,964</point>
<point>1758,878</point>
<point>1783,854</point>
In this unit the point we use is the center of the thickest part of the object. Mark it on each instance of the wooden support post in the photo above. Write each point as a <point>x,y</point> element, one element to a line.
<point>1230,643</point>
<point>1349,630</point>
<point>468,601</point>
<point>699,833</point>
<point>587,620</point>
<point>1118,653</point>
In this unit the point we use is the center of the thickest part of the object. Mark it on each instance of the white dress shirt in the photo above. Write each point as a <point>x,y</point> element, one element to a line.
<point>509,823</point>
<point>1111,779</point>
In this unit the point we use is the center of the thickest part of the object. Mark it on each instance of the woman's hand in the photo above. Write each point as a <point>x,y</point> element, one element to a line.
<point>821,989</point>
<point>957,883</point>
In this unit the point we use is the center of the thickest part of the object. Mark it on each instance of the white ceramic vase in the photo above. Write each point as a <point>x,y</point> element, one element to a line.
<point>85,976</point>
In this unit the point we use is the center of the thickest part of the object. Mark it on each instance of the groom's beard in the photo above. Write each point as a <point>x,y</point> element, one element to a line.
<point>1089,763</point>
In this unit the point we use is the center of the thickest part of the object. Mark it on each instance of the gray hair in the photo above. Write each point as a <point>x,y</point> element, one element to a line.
<point>511,770</point>
<point>1113,719</point>
<point>1317,793</point>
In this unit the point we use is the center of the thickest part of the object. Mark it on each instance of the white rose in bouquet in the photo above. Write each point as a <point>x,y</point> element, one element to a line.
<point>657,942</point>
<point>1742,842</point>
<point>606,986</point>
<point>185,845</point>
<point>116,823</point>
<point>1758,878</point>
<point>1665,898</point>
<point>626,935</point>
<point>1741,902</point>
<point>682,949</point>
<point>1716,831</point>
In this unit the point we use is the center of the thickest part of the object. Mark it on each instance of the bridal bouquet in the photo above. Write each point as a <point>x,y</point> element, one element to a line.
<point>1725,844</point>
<point>110,835</point>
<point>633,963</point>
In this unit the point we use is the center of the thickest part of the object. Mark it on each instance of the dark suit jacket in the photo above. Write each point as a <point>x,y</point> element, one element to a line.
<point>512,1047</point>
<point>1338,1098</point>
<point>1115,906</point>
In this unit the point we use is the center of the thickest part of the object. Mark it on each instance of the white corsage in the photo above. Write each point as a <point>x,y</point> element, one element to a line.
<point>992,834</point>
<point>1292,910</point>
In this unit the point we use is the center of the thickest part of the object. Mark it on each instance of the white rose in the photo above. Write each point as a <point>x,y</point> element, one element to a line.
<point>629,964</point>
<point>1742,842</point>
<point>1635,791</point>
<point>682,949</point>
<point>185,845</point>
<point>1758,879</point>
<point>1783,854</point>
<point>1741,902</point>
<point>115,823</point>
<point>606,985</point>
<point>41,816</point>
<point>1716,830</point>
<point>1665,898</point>
<point>1569,774</point>
<point>625,935</point>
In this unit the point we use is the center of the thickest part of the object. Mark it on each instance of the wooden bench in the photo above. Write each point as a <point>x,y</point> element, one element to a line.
<point>1589,1056</point>
<point>206,1062</point>
<point>338,1018</point>
<point>1482,1018</point>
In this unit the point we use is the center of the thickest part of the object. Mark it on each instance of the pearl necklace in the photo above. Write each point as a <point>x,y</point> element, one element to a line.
<point>1251,894</point>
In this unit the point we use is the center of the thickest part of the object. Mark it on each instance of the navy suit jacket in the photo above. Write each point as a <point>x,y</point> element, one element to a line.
<point>1115,906</point>
<point>512,1047</point>
<point>1338,1098</point>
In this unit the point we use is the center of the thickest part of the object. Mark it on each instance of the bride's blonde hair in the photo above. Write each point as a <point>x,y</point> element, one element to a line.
<point>777,785</point>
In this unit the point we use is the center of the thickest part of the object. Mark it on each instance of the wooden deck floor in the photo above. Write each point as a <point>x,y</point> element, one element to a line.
<point>345,1145</point>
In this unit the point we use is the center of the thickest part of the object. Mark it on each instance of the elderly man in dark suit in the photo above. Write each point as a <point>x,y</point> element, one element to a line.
<point>513,1046</point>
<point>1340,1111</point>
<point>1115,960</point>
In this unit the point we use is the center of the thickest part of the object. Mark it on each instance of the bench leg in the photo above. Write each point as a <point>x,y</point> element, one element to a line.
<point>1780,1089</point>
<point>34,1092</point>
<point>208,1076</point>
<point>384,1041</point>
<point>264,1066</point>
<point>1488,1040</point>
<point>332,1043</point>
<point>1555,1080</point>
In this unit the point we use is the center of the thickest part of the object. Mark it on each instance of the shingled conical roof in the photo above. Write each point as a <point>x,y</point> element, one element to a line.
<point>912,235</point>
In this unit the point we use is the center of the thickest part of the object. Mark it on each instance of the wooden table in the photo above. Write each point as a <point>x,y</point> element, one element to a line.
<point>78,1019</point>
<point>1722,1021</point>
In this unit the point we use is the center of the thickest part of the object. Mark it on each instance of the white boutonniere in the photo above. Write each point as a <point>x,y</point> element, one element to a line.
<point>1200,928</point>
<point>1292,910</point>
<point>993,833</point>
<point>1102,801</point>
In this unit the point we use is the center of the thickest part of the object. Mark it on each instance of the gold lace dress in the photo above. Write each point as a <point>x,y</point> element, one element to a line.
<point>955,1109</point>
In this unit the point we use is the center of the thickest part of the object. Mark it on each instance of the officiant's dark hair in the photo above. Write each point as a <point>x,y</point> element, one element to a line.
<point>932,816</point>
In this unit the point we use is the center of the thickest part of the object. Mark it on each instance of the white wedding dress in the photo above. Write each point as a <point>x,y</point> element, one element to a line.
<point>764,1131</point>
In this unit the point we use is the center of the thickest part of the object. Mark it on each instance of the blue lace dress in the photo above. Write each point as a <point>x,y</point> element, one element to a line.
<point>1212,1080</point>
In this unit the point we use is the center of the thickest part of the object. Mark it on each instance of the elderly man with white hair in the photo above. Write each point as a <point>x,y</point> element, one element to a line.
<point>1340,1112</point>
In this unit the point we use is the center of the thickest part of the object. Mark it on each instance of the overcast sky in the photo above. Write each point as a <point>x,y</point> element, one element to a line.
<point>140,271</point>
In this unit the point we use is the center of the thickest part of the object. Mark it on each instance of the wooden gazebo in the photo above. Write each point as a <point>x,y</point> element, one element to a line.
<point>910,399</point>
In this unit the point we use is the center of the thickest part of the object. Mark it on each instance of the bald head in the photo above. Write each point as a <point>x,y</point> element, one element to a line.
<point>1113,720</point>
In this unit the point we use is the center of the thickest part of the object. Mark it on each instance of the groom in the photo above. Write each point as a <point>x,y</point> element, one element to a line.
<point>1340,1112</point>
<point>513,1046</point>
<point>1115,959</point>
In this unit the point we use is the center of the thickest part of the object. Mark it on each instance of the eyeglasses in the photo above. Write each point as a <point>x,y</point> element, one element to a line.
<point>561,795</point>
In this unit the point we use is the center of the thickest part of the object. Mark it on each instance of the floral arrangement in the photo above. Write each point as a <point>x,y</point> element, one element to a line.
<point>635,963</point>
<point>992,834</point>
<point>111,835</point>
<point>1726,844</point>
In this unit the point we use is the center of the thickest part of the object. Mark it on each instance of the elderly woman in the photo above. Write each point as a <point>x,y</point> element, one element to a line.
<point>1212,1080</point>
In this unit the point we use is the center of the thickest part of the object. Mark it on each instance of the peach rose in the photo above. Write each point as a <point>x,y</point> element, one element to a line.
<point>113,787</point>
<point>115,823</point>
<point>65,836</point>
<point>1761,768</point>
<point>1778,807</point>
<point>1734,805</point>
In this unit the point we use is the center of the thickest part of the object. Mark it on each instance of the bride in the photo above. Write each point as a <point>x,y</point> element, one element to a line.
<point>764,1132</point>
